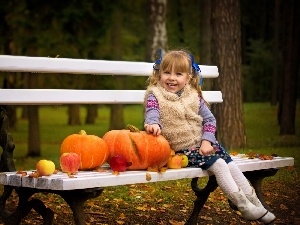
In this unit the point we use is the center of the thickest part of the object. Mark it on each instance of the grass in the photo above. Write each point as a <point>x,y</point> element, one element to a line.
<point>260,122</point>
<point>262,132</point>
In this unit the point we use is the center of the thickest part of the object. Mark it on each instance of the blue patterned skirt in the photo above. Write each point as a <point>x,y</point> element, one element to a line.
<point>204,162</point>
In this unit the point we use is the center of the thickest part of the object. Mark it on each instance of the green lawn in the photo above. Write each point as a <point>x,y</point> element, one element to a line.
<point>260,122</point>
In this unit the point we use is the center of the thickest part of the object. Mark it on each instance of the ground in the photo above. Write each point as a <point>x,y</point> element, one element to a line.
<point>149,208</point>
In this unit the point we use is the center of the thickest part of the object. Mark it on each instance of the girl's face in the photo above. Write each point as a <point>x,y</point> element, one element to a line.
<point>173,81</point>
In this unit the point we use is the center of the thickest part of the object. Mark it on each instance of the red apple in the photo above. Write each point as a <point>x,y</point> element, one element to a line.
<point>69,162</point>
<point>175,162</point>
<point>45,167</point>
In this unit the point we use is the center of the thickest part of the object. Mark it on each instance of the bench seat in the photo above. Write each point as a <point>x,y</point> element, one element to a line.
<point>90,179</point>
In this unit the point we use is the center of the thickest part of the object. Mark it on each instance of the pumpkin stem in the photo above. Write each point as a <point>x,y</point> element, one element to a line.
<point>133,128</point>
<point>82,132</point>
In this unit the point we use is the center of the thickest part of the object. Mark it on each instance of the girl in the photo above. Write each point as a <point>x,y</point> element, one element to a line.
<point>175,108</point>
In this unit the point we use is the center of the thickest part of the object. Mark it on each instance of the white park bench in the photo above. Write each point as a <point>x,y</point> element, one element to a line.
<point>89,184</point>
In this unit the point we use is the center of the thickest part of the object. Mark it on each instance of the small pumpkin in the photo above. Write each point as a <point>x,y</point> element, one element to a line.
<point>92,150</point>
<point>143,150</point>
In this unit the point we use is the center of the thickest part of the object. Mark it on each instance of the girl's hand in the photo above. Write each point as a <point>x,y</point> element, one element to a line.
<point>153,128</point>
<point>206,148</point>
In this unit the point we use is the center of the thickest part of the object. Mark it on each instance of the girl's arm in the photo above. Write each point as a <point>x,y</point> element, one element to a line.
<point>152,123</point>
<point>209,122</point>
<point>209,130</point>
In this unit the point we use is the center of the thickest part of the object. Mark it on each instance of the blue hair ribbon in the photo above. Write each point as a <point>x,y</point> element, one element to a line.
<point>158,62</point>
<point>196,67</point>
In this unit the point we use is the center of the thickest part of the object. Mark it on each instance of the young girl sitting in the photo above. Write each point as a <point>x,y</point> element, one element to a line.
<point>175,108</point>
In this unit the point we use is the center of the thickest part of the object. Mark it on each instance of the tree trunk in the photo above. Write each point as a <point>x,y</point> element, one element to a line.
<point>291,58</point>
<point>116,113</point>
<point>91,114</point>
<point>180,26</point>
<point>157,38</point>
<point>276,53</point>
<point>205,38</point>
<point>205,32</point>
<point>226,54</point>
<point>74,115</point>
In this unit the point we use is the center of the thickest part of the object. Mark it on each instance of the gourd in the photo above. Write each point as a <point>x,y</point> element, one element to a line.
<point>143,150</point>
<point>92,150</point>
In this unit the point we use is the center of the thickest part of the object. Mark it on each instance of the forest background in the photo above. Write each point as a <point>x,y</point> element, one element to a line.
<point>264,32</point>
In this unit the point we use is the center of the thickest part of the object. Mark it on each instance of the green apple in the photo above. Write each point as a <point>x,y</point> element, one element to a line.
<point>185,160</point>
<point>45,167</point>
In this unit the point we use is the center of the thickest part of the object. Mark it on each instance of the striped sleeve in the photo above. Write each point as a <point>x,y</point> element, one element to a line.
<point>209,122</point>
<point>152,110</point>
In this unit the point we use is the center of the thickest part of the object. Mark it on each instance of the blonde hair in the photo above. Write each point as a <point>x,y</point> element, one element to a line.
<point>181,61</point>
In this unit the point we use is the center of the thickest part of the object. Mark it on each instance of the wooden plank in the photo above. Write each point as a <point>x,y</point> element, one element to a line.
<point>246,164</point>
<point>85,66</point>
<point>89,179</point>
<point>63,96</point>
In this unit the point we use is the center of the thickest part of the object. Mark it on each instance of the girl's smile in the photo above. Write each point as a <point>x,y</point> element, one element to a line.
<point>173,81</point>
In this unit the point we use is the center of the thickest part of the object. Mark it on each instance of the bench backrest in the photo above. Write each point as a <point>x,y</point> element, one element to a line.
<point>85,67</point>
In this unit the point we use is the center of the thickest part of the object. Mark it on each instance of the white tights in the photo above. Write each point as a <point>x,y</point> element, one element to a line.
<point>229,177</point>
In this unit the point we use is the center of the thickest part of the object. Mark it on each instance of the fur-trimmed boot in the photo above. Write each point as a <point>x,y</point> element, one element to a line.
<point>249,211</point>
<point>268,217</point>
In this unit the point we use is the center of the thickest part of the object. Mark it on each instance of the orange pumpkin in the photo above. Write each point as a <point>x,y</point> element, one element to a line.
<point>143,150</point>
<point>93,150</point>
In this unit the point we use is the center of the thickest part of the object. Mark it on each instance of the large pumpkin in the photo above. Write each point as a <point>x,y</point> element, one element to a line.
<point>143,150</point>
<point>93,150</point>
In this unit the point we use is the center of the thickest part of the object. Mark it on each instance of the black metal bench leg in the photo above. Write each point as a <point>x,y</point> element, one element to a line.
<point>24,206</point>
<point>5,195</point>
<point>40,208</point>
<point>76,200</point>
<point>202,196</point>
<point>15,217</point>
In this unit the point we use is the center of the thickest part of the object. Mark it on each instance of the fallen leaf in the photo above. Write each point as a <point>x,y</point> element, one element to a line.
<point>100,170</point>
<point>122,216</point>
<point>163,169</point>
<point>159,200</point>
<point>234,153</point>
<point>152,169</point>
<point>23,173</point>
<point>142,208</point>
<point>174,222</point>
<point>116,173</point>
<point>34,175</point>
<point>206,218</point>
<point>282,206</point>
<point>148,176</point>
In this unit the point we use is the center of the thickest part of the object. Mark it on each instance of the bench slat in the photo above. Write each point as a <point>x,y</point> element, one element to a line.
<point>89,179</point>
<point>65,96</point>
<point>84,66</point>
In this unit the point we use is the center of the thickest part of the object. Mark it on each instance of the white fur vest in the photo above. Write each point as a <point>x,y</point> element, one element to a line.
<point>181,124</point>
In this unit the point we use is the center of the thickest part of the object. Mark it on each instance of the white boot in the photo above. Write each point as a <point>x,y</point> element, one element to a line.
<point>249,211</point>
<point>269,217</point>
